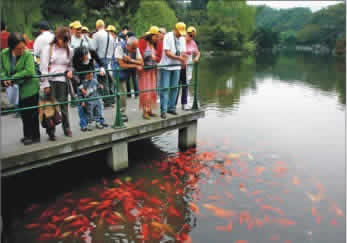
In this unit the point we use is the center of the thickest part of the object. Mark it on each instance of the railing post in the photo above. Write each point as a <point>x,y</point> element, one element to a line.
<point>118,122</point>
<point>195,102</point>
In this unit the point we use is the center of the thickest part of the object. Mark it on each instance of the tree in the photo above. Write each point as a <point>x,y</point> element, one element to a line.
<point>153,13</point>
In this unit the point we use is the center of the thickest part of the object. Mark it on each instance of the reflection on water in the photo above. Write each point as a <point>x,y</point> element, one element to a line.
<point>269,167</point>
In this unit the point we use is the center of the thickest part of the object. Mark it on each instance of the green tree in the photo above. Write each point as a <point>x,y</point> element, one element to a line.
<point>153,13</point>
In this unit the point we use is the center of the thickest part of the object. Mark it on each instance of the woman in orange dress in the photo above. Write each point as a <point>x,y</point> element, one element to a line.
<point>147,77</point>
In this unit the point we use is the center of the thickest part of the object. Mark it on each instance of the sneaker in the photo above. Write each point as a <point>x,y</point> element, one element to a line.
<point>125,118</point>
<point>52,138</point>
<point>90,127</point>
<point>84,129</point>
<point>104,124</point>
<point>163,115</point>
<point>99,126</point>
<point>172,112</point>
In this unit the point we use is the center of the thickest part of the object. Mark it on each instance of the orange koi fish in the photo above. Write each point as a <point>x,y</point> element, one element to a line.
<point>226,228</point>
<point>194,208</point>
<point>295,180</point>
<point>260,170</point>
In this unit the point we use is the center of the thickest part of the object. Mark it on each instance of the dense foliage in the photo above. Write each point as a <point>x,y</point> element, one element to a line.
<point>301,25</point>
<point>221,24</point>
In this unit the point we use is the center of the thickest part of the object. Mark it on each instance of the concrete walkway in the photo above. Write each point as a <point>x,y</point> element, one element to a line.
<point>15,155</point>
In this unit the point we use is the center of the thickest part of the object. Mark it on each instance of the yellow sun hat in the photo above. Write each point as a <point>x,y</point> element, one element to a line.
<point>154,30</point>
<point>111,28</point>
<point>181,28</point>
<point>191,29</point>
<point>85,28</point>
<point>77,25</point>
<point>100,22</point>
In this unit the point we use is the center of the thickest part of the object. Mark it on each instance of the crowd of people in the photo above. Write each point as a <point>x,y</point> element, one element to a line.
<point>73,49</point>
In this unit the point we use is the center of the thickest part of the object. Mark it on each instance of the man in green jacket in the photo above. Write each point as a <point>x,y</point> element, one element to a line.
<point>18,63</point>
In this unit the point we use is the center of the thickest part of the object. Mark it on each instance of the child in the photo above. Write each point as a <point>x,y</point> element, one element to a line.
<point>89,89</point>
<point>84,60</point>
<point>49,115</point>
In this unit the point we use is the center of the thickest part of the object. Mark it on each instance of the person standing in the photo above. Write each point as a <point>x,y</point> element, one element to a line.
<point>57,58</point>
<point>193,54</point>
<point>29,43</point>
<point>82,62</point>
<point>127,56</point>
<point>147,78</point>
<point>43,40</point>
<point>159,53</point>
<point>17,62</point>
<point>104,45</point>
<point>78,39</point>
<point>3,36</point>
<point>174,47</point>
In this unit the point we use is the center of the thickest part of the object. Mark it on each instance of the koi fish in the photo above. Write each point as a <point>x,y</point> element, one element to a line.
<point>194,208</point>
<point>313,197</point>
<point>295,180</point>
<point>233,156</point>
<point>257,192</point>
<point>155,181</point>
<point>65,235</point>
<point>338,211</point>
<point>242,188</point>
<point>173,212</point>
<point>32,226</point>
<point>71,218</point>
<point>46,236</point>
<point>226,228</point>
<point>314,212</point>
<point>259,170</point>
<point>270,208</point>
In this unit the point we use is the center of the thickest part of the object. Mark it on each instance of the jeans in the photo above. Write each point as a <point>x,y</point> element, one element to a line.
<point>30,118</point>
<point>82,112</point>
<point>94,111</point>
<point>132,75</point>
<point>168,78</point>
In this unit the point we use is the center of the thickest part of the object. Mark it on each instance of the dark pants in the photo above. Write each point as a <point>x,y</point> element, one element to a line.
<point>30,118</point>
<point>183,81</point>
<point>51,131</point>
<point>108,83</point>
<point>60,93</point>
<point>132,76</point>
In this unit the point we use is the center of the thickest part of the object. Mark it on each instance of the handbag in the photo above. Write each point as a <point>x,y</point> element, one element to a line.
<point>57,118</point>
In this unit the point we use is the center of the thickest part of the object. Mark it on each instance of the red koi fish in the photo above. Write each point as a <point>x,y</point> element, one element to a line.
<point>46,237</point>
<point>32,226</point>
<point>270,208</point>
<point>173,212</point>
<point>226,228</point>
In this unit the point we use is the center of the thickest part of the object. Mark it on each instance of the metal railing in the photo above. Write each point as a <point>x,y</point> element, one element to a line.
<point>118,122</point>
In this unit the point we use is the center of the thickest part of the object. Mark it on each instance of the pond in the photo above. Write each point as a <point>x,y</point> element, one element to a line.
<point>269,167</point>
